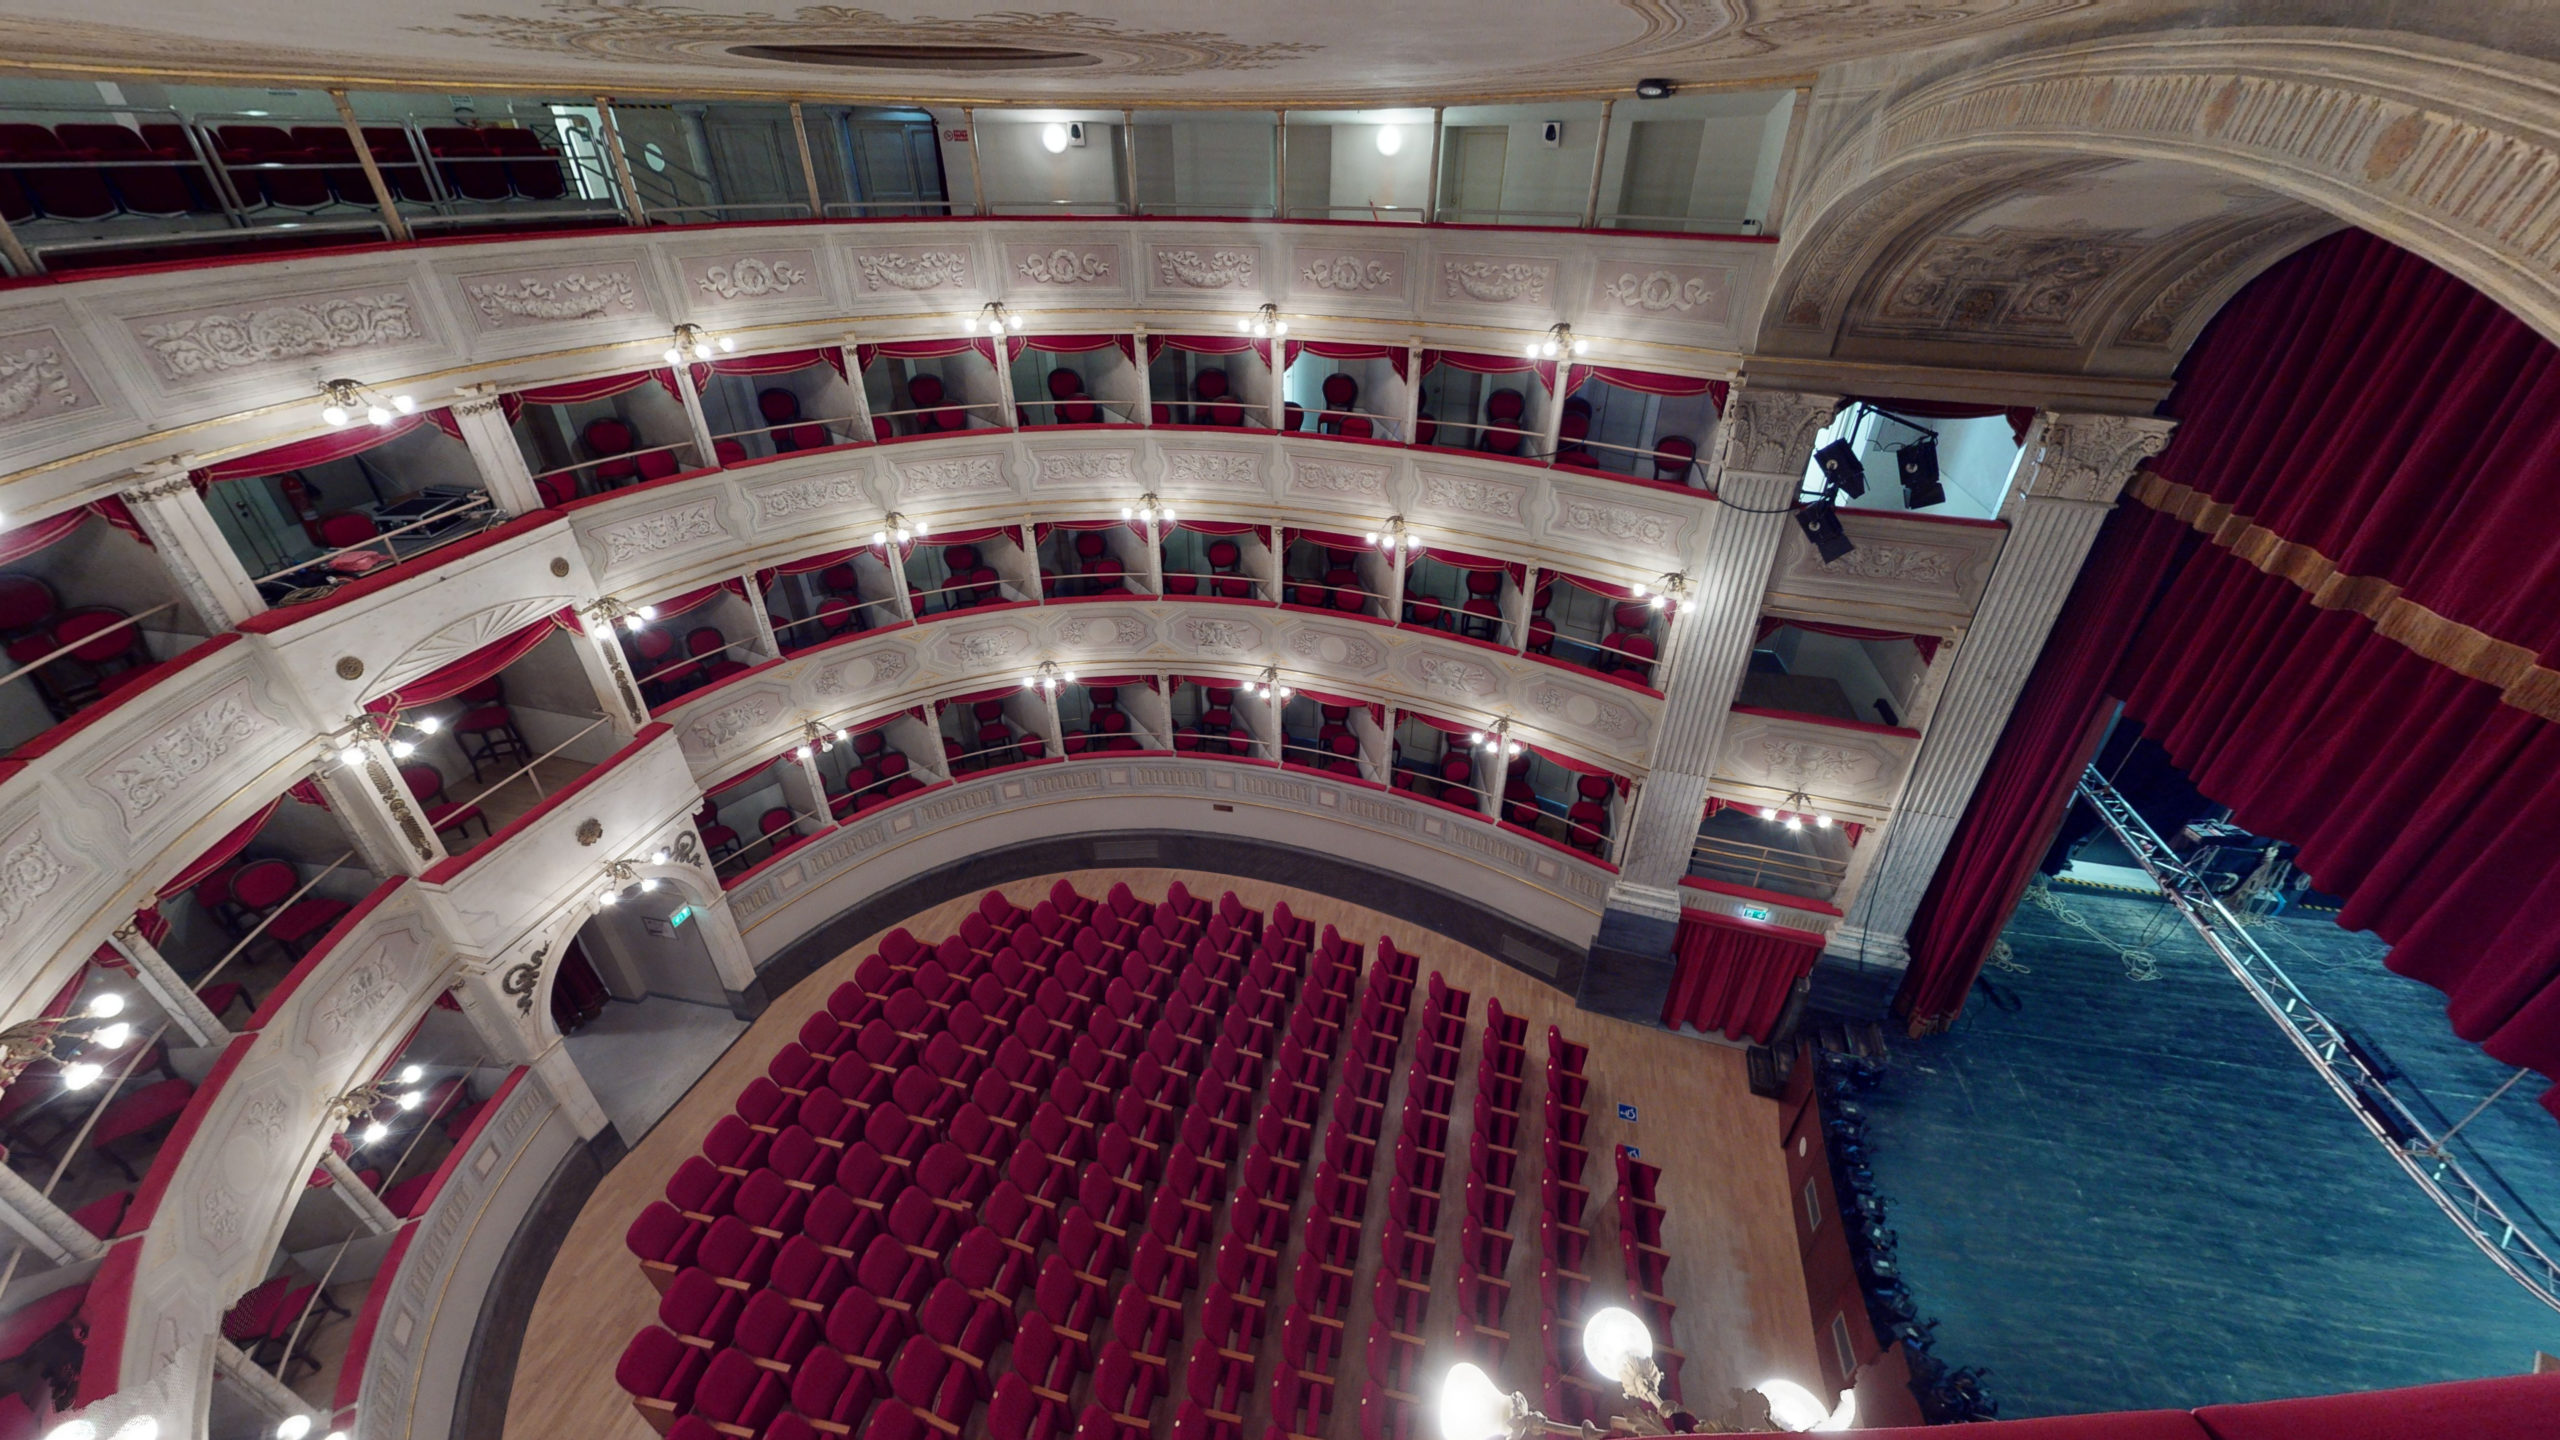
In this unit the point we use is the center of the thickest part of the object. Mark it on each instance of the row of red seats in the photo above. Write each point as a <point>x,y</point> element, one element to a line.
<point>92,171</point>
<point>868,1022</point>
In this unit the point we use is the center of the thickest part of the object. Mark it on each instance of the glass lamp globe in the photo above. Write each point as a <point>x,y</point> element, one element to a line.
<point>1472,1407</point>
<point>1613,1338</point>
<point>1796,1408</point>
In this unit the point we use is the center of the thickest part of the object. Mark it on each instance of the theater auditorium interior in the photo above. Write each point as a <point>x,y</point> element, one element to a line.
<point>1432,721</point>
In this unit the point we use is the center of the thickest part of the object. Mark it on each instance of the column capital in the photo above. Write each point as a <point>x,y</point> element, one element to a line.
<point>158,480</point>
<point>2088,458</point>
<point>1770,432</point>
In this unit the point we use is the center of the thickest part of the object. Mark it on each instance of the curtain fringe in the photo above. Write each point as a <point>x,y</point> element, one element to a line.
<point>2522,680</point>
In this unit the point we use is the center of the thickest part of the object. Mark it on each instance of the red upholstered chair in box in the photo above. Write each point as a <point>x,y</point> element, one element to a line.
<point>1675,458</point>
<point>1502,412</point>
<point>1293,416</point>
<point>610,441</point>
<point>144,187</point>
<point>559,490</point>
<point>1341,392</point>
<point>533,168</point>
<point>1210,388</point>
<point>262,886</point>
<point>72,192</point>
<point>27,606</point>
<point>487,732</point>
<point>426,786</point>
<point>726,452</point>
<point>463,160</point>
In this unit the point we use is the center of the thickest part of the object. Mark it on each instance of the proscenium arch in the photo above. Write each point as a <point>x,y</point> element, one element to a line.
<point>2445,150</point>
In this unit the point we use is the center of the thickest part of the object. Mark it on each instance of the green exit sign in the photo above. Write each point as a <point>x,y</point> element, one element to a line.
<point>681,915</point>
<point>1749,912</point>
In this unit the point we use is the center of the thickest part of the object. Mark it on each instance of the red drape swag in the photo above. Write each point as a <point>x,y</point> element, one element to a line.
<point>35,535</point>
<point>1849,828</point>
<point>1490,365</point>
<point>1445,727</point>
<point>1142,682</point>
<point>1335,350</point>
<point>779,362</point>
<point>806,565</point>
<point>998,692</point>
<point>1207,345</point>
<point>1217,527</point>
<point>757,771</point>
<point>1733,975</point>
<point>1584,582</point>
<point>1070,344</point>
<point>693,600</point>
<point>578,392</point>
<point>1377,712</point>
<point>309,793</point>
<point>2424,797</point>
<point>473,668</point>
<point>1647,382</point>
<point>1325,538</point>
<point>925,350</point>
<point>1927,645</point>
<point>337,444</point>
<point>967,537</point>
<point>1460,560</point>
<point>1043,527</point>
<point>221,852</point>
<point>1563,761</point>
<point>2020,416</point>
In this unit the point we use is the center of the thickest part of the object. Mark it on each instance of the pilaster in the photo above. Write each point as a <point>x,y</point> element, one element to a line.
<point>2081,463</point>
<point>192,548</point>
<point>390,831</point>
<point>177,999</point>
<point>503,473</point>
<point>42,1224</point>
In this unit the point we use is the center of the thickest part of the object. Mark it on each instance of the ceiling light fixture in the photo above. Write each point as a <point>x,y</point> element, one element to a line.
<point>694,342</point>
<point>1054,138</point>
<point>1390,139</point>
<point>365,1100</point>
<point>343,401</point>
<point>612,612</point>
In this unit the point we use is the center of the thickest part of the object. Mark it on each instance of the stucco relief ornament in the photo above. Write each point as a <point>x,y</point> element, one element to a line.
<point>1348,273</point>
<point>806,497</point>
<point>1659,291</point>
<point>576,296</point>
<point>1495,282</point>
<point>751,279</point>
<point>1912,563</point>
<point>210,344</point>
<point>1206,269</point>
<point>179,753</point>
<point>664,531</point>
<point>719,728</point>
<point>644,30</point>
<point>1065,267</point>
<point>522,979</point>
<point>1476,497</point>
<point>1127,632</point>
<point>34,378</point>
<point>1217,634</point>
<point>1807,763</point>
<point>1457,677</point>
<point>924,270</point>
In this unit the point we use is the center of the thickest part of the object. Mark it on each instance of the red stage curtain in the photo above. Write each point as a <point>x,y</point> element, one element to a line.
<point>2321,406</point>
<point>1647,382</point>
<point>779,362</point>
<point>1490,365</point>
<point>1734,975</point>
<point>2020,416</point>
<point>338,444</point>
<point>1334,350</point>
<point>473,668</point>
<point>578,392</point>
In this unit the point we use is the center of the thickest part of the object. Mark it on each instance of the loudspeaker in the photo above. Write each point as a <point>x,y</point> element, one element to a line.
<point>1551,134</point>
<point>1075,134</point>
<point>1842,468</point>
<point>1820,521</point>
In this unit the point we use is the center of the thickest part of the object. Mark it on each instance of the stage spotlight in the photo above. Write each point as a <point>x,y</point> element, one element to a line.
<point>1820,521</point>
<point>1841,467</point>
<point>1655,89</point>
<point>1920,487</point>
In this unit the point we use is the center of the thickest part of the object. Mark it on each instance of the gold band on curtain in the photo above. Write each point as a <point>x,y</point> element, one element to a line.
<point>2522,680</point>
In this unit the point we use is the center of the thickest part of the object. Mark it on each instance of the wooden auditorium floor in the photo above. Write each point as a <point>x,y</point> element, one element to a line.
<point>1734,1274</point>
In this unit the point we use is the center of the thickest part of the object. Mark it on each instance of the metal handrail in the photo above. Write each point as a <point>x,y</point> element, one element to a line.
<point>479,502</point>
<point>691,659</point>
<point>90,639</point>
<point>266,920</point>
<point>527,768</point>
<point>572,468</point>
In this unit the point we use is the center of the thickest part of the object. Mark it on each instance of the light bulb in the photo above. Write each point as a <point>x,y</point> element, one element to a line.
<point>113,1036</point>
<point>1472,1407</point>
<point>408,1099</point>
<point>1286,692</point>
<point>377,414</point>
<point>1515,747</point>
<point>1165,514</point>
<point>1069,677</point>
<point>1639,590</point>
<point>1015,321</point>
<point>73,1430</point>
<point>648,612</point>
<point>412,1074</point>
<point>904,535</point>
<point>1245,326</point>
<point>1796,1408</point>
<point>1822,822</point>
<point>1369,537</point>
<point>1053,138</point>
<point>634,624</point>
<point>1613,1339</point>
<point>106,1005</point>
<point>1768,812</point>
<point>349,756</point>
<point>672,355</point>
<point>727,344</point>
<point>1795,822</point>
<point>140,1427</point>
<point>336,1435</point>
<point>334,415</point>
<point>429,724</point>
<point>1659,601</point>
<point>81,1076</point>
<point>608,897</point>
<point>660,856</point>
<point>702,350</point>
<point>402,749</point>
<point>1531,350</point>
<point>1581,346</point>
<point>804,752</point>
<point>376,1133</point>
<point>1475,737</point>
<point>843,737</point>
<point>649,885</point>
<point>1279,327</point>
<point>294,1427</point>
<point>1390,139</point>
<point>879,537</point>
<point>405,404</point>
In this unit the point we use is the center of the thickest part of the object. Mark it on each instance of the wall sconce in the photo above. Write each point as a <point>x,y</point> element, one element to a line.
<point>345,745</point>
<point>1560,341</point>
<point>1496,740</point>
<point>898,529</point>
<point>1153,512</point>
<point>1264,323</point>
<point>366,1098</point>
<point>694,341</point>
<point>1792,811</point>
<point>343,400</point>
<point>1665,593</point>
<point>620,875</point>
<point>1049,677</point>
<point>1394,537</point>
<point>634,618</point>
<point>29,1041</point>
<point>1267,686</point>
<point>996,320</point>
<point>814,738</point>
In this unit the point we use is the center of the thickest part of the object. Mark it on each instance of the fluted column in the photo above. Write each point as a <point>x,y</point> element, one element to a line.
<point>494,451</point>
<point>2081,463</point>
<point>192,548</point>
<point>1762,446</point>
